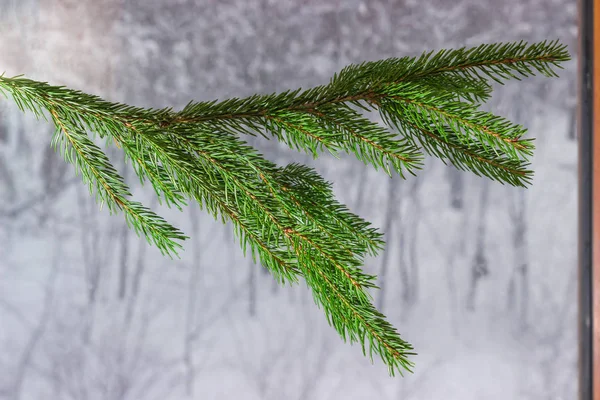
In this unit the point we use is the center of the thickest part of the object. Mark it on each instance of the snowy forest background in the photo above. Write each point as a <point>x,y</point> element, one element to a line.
<point>479,277</point>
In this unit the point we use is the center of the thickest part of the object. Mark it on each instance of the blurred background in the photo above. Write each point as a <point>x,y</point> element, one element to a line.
<point>478,276</point>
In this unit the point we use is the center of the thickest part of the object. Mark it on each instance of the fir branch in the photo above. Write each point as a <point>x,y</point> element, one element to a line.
<point>288,215</point>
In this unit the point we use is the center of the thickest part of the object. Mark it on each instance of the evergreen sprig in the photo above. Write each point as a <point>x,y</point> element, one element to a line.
<point>288,216</point>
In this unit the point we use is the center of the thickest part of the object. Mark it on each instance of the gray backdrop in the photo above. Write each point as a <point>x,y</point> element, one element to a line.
<point>478,276</point>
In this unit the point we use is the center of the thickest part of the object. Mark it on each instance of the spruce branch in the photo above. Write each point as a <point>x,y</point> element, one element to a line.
<point>287,215</point>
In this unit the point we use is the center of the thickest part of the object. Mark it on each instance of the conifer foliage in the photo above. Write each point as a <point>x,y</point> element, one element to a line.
<point>287,215</point>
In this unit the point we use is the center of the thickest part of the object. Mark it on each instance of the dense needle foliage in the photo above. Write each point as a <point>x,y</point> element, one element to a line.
<point>287,215</point>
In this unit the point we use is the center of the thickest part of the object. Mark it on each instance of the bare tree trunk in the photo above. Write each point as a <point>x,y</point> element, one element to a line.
<point>3,127</point>
<point>572,129</point>
<point>523,267</point>
<point>91,269</point>
<point>6,179</point>
<point>138,274</point>
<point>479,267</point>
<point>23,146</point>
<point>456,178</point>
<point>571,105</point>
<point>123,260</point>
<point>394,204</point>
<point>252,288</point>
<point>412,225</point>
<point>6,175</point>
<point>188,355</point>
<point>453,293</point>
<point>518,286</point>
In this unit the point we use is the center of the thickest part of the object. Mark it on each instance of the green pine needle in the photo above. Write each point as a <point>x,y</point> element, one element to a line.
<point>288,216</point>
